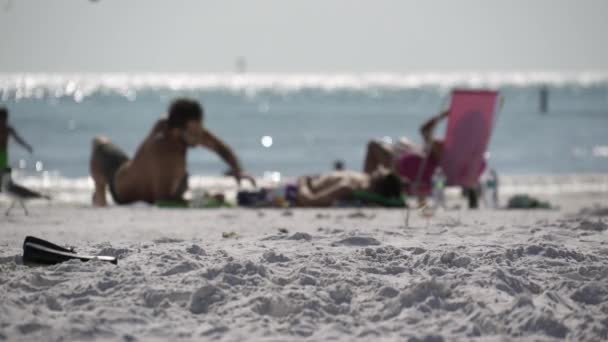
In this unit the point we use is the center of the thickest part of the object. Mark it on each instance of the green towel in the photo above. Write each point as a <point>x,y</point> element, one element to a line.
<point>215,203</point>
<point>374,198</point>
<point>209,203</point>
<point>527,202</point>
<point>172,204</point>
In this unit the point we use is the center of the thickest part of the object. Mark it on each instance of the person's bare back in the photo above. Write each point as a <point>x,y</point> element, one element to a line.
<point>156,171</point>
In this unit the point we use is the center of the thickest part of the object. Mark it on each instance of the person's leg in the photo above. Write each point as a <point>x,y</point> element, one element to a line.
<point>3,165</point>
<point>96,171</point>
<point>105,160</point>
<point>323,197</point>
<point>473,198</point>
<point>3,160</point>
<point>180,189</point>
<point>378,154</point>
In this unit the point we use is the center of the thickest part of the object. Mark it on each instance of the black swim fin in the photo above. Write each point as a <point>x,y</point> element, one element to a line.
<point>42,252</point>
<point>47,244</point>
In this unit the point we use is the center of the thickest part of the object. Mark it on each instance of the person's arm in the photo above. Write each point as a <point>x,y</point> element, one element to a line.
<point>428,127</point>
<point>212,142</point>
<point>20,140</point>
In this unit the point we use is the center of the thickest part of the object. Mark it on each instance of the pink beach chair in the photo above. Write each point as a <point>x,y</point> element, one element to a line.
<point>466,140</point>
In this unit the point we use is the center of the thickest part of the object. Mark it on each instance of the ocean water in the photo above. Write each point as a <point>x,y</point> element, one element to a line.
<point>298,124</point>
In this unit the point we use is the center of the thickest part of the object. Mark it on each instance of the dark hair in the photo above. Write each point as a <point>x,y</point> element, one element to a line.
<point>388,185</point>
<point>183,110</point>
<point>338,165</point>
<point>3,113</point>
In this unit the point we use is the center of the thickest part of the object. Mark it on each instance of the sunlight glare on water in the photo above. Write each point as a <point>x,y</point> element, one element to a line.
<point>266,141</point>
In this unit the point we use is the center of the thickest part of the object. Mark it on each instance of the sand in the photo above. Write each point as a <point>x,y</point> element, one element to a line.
<point>310,274</point>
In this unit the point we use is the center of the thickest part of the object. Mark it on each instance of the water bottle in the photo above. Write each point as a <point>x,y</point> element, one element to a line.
<point>438,183</point>
<point>491,189</point>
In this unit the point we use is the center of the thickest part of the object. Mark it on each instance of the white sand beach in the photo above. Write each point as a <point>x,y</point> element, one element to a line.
<point>310,274</point>
<point>273,103</point>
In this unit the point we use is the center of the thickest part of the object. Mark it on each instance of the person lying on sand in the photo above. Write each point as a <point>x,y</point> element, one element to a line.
<point>157,172</point>
<point>328,189</point>
<point>7,131</point>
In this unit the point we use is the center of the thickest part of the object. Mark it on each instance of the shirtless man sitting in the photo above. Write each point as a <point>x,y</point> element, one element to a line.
<point>158,169</point>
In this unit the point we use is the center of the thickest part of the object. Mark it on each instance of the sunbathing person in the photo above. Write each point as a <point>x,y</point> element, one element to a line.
<point>407,160</point>
<point>330,188</point>
<point>158,168</point>
<point>387,155</point>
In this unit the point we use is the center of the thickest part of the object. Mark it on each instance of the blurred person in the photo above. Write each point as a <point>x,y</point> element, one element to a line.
<point>338,165</point>
<point>406,159</point>
<point>157,172</point>
<point>387,155</point>
<point>327,189</point>
<point>7,131</point>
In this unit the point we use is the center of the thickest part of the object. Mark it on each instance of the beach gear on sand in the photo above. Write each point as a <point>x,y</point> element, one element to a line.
<point>205,202</point>
<point>527,202</point>
<point>251,198</point>
<point>372,198</point>
<point>414,165</point>
<point>209,202</point>
<point>281,196</point>
<point>42,252</point>
<point>470,123</point>
<point>171,204</point>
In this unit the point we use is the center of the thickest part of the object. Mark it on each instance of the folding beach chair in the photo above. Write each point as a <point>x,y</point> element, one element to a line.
<point>469,127</point>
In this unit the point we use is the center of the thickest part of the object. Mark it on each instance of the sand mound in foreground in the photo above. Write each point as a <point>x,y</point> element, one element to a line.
<point>470,279</point>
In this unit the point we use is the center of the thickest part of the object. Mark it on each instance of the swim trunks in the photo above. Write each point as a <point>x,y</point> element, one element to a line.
<point>112,159</point>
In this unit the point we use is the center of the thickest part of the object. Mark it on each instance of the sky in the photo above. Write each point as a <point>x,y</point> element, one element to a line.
<point>303,36</point>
